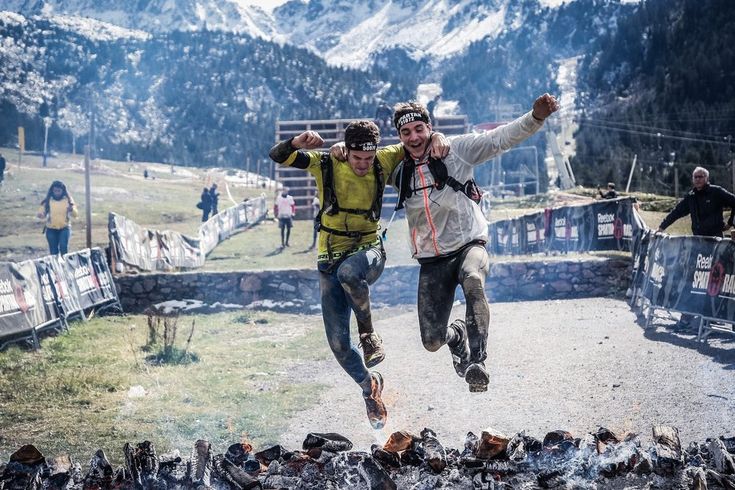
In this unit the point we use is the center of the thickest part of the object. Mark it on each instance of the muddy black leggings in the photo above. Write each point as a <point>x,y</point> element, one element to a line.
<point>438,281</point>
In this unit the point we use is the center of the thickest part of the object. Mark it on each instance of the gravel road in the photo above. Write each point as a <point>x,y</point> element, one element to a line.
<point>575,365</point>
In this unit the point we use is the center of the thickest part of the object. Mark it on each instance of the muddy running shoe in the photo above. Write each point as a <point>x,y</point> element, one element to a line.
<point>376,412</point>
<point>477,377</point>
<point>461,351</point>
<point>372,348</point>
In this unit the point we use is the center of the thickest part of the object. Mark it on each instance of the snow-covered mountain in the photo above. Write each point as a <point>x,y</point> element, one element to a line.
<point>157,16</point>
<point>203,82</point>
<point>343,32</point>
<point>351,33</point>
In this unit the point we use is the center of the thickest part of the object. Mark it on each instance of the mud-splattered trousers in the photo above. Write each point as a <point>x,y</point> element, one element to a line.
<point>438,281</point>
<point>345,288</point>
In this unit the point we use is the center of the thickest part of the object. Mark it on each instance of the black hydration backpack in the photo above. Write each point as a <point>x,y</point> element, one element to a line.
<point>331,206</point>
<point>438,170</point>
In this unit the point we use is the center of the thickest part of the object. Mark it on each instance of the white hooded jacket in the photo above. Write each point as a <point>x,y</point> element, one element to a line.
<point>441,222</point>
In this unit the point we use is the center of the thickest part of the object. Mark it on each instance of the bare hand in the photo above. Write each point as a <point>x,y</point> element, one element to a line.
<point>308,140</point>
<point>338,151</point>
<point>545,106</point>
<point>439,145</point>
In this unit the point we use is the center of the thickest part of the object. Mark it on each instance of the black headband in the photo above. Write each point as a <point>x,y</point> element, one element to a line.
<point>410,117</point>
<point>364,146</point>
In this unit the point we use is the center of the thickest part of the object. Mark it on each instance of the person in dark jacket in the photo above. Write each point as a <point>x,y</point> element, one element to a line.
<point>2,169</point>
<point>704,203</point>
<point>205,204</point>
<point>610,193</point>
<point>214,199</point>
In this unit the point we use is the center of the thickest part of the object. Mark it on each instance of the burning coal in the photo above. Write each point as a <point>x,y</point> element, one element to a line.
<point>491,460</point>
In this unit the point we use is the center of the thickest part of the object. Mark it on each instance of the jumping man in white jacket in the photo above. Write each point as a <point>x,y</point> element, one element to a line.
<point>448,231</point>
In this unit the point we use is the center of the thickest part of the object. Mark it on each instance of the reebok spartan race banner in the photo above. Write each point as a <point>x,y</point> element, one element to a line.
<point>612,224</point>
<point>149,250</point>
<point>40,292</point>
<point>21,303</point>
<point>691,274</point>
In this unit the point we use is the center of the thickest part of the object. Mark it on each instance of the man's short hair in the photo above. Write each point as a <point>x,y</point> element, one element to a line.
<point>362,136</point>
<point>702,170</point>
<point>407,112</point>
<point>611,185</point>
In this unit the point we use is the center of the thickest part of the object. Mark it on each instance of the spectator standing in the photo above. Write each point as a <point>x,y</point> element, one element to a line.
<point>205,204</point>
<point>704,204</point>
<point>285,209</point>
<point>610,193</point>
<point>214,199</point>
<point>2,169</point>
<point>58,209</point>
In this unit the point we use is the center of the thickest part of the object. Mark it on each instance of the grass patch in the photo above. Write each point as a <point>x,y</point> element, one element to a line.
<point>92,388</point>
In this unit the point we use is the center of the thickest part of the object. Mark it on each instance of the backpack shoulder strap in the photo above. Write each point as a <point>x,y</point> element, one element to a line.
<point>377,205</point>
<point>403,180</point>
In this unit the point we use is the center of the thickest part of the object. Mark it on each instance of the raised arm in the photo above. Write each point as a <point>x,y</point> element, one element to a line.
<point>680,210</point>
<point>544,106</point>
<point>308,140</point>
<point>477,148</point>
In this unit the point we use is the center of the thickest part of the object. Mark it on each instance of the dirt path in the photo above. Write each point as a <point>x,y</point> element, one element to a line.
<point>572,365</point>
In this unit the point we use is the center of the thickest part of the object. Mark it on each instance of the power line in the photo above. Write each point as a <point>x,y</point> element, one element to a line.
<point>657,134</point>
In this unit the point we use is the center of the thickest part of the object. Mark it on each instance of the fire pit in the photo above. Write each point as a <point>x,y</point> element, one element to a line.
<point>490,460</point>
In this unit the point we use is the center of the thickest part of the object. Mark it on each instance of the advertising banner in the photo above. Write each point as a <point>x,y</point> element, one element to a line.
<point>534,228</point>
<point>149,250</point>
<point>689,274</point>
<point>21,304</point>
<point>615,221</point>
<point>612,224</point>
<point>84,277</point>
<point>41,292</point>
<point>569,229</point>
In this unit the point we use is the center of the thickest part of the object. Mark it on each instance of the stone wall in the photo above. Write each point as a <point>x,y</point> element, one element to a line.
<point>298,290</point>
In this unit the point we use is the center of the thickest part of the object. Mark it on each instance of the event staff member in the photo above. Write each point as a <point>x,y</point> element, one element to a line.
<point>704,203</point>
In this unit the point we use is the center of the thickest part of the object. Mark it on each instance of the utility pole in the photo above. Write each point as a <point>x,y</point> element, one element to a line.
<point>87,196</point>
<point>630,175</point>
<point>46,123</point>
<point>672,163</point>
<point>731,162</point>
<point>21,144</point>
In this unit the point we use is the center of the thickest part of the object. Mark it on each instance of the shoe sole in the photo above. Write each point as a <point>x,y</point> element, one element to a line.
<point>477,378</point>
<point>374,361</point>
<point>379,424</point>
